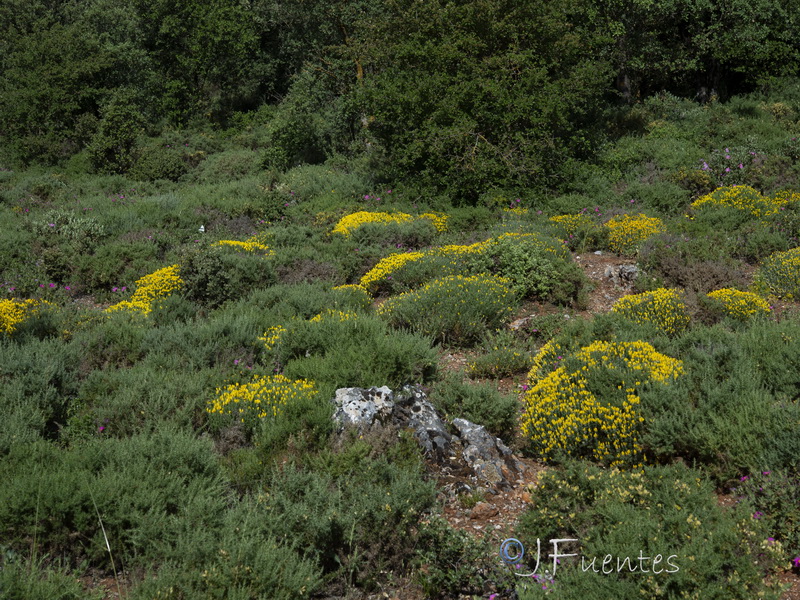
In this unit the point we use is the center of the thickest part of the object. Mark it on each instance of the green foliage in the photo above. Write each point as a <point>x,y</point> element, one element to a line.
<point>218,274</point>
<point>354,351</point>
<point>774,499</point>
<point>503,355</point>
<point>662,511</point>
<point>150,491</point>
<point>39,384</point>
<point>480,403</point>
<point>536,270</point>
<point>454,562</point>
<point>39,581</point>
<point>454,310</point>
<point>499,102</point>
<point>357,523</point>
<point>111,148</point>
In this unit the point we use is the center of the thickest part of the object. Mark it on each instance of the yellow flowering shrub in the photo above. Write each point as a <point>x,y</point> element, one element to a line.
<point>449,260</point>
<point>335,315</point>
<point>385,268</point>
<point>261,398</point>
<point>253,245</point>
<point>740,197</point>
<point>13,312</point>
<point>740,305</point>
<point>572,223</point>
<point>350,223</point>
<point>779,274</point>
<point>272,336</point>
<point>149,289</point>
<point>589,405</point>
<point>663,307</point>
<point>626,232</point>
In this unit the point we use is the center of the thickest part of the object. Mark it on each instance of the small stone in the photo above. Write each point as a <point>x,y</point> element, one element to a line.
<point>483,510</point>
<point>599,252</point>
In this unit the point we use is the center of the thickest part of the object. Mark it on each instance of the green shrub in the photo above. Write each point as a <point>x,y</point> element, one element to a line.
<point>144,494</point>
<point>228,165</point>
<point>355,524</point>
<point>455,310</point>
<point>779,274</point>
<point>218,274</point>
<point>452,563</point>
<point>39,385</point>
<point>159,161</point>
<point>536,266</point>
<point>503,356</point>
<point>480,403</point>
<point>350,350</point>
<point>39,581</point>
<point>773,497</point>
<point>670,511</point>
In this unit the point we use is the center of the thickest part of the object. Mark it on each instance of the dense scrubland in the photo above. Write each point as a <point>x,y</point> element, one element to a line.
<point>215,215</point>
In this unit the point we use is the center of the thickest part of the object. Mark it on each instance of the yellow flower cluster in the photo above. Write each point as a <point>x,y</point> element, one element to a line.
<point>740,305</point>
<point>333,315</point>
<point>253,244</point>
<point>519,212</point>
<point>350,223</point>
<point>779,274</point>
<point>387,266</point>
<point>572,223</point>
<point>662,307</point>
<point>272,336</point>
<point>563,415</point>
<point>13,312</point>
<point>152,287</point>
<point>626,232</point>
<point>747,199</point>
<point>260,398</point>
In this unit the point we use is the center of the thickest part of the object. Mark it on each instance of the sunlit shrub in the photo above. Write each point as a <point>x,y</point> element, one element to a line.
<point>13,312</point>
<point>454,309</point>
<point>779,274</point>
<point>260,398</point>
<point>740,305</point>
<point>626,232</point>
<point>348,224</point>
<point>663,307</point>
<point>149,289</point>
<point>587,403</point>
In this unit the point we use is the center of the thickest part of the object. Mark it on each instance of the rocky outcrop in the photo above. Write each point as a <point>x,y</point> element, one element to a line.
<point>473,448</point>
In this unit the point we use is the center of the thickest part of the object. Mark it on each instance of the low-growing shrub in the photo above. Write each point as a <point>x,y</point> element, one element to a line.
<point>779,274</point>
<point>659,532</point>
<point>739,305</point>
<point>480,403</point>
<point>503,355</point>
<point>218,274</point>
<point>586,404</point>
<point>150,289</point>
<point>627,232</point>
<point>345,349</point>
<point>773,497</point>
<point>453,310</point>
<point>663,308</point>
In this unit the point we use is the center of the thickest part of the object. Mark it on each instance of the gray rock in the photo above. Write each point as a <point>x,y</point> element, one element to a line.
<point>622,275</point>
<point>490,459</point>
<point>483,458</point>
<point>413,410</point>
<point>362,407</point>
